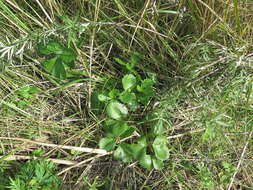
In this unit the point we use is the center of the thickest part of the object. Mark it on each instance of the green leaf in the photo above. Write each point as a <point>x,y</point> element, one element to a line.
<point>49,64</point>
<point>116,110</point>
<point>115,128</point>
<point>38,152</point>
<point>120,61</point>
<point>160,148</point>
<point>51,47</point>
<point>96,105</point>
<point>158,129</point>
<point>27,92</point>
<point>123,153</point>
<point>158,164</point>
<point>135,59</point>
<point>128,132</point>
<point>103,98</point>
<point>249,89</point>
<point>137,151</point>
<point>64,58</point>
<point>142,141</point>
<point>114,93</point>
<point>24,92</point>
<point>129,67</point>
<point>34,90</point>
<point>130,99</point>
<point>55,67</point>
<point>127,97</point>
<point>128,81</point>
<point>110,122</point>
<point>59,70</point>
<point>209,133</point>
<point>120,130</point>
<point>68,56</point>
<point>107,143</point>
<point>146,161</point>
<point>143,99</point>
<point>146,87</point>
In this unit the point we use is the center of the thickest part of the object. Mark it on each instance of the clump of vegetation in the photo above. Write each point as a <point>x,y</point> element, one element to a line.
<point>134,94</point>
<point>62,59</point>
<point>33,175</point>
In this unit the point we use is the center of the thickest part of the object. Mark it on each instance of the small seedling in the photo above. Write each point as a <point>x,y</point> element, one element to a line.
<point>92,186</point>
<point>25,96</point>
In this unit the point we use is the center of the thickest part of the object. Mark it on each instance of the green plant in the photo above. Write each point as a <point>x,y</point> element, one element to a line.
<point>92,186</point>
<point>36,175</point>
<point>150,149</point>
<point>25,96</point>
<point>3,180</point>
<point>61,61</point>
<point>206,177</point>
<point>226,174</point>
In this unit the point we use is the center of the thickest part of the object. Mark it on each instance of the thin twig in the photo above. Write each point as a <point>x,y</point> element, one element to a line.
<point>20,157</point>
<point>138,24</point>
<point>190,132</point>
<point>44,11</point>
<point>129,25</point>
<point>130,137</point>
<point>240,162</point>
<point>145,182</point>
<point>98,2</point>
<point>79,149</point>
<point>83,162</point>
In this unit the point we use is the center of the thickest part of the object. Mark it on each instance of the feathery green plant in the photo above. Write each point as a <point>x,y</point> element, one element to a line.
<point>33,175</point>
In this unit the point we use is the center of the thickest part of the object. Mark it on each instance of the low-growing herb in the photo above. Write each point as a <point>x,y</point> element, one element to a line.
<point>150,149</point>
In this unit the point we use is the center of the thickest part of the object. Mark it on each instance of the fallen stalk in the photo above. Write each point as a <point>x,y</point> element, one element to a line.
<point>20,157</point>
<point>83,162</point>
<point>79,149</point>
<point>187,133</point>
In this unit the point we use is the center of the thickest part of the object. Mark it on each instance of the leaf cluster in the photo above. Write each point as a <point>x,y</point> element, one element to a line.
<point>60,58</point>
<point>150,149</point>
<point>36,175</point>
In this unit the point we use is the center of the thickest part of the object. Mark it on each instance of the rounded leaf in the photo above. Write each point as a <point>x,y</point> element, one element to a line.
<point>158,164</point>
<point>146,87</point>
<point>130,99</point>
<point>116,110</point>
<point>118,128</point>
<point>107,143</point>
<point>122,153</point>
<point>138,151</point>
<point>128,81</point>
<point>114,93</point>
<point>142,141</point>
<point>127,97</point>
<point>158,128</point>
<point>160,148</point>
<point>146,161</point>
